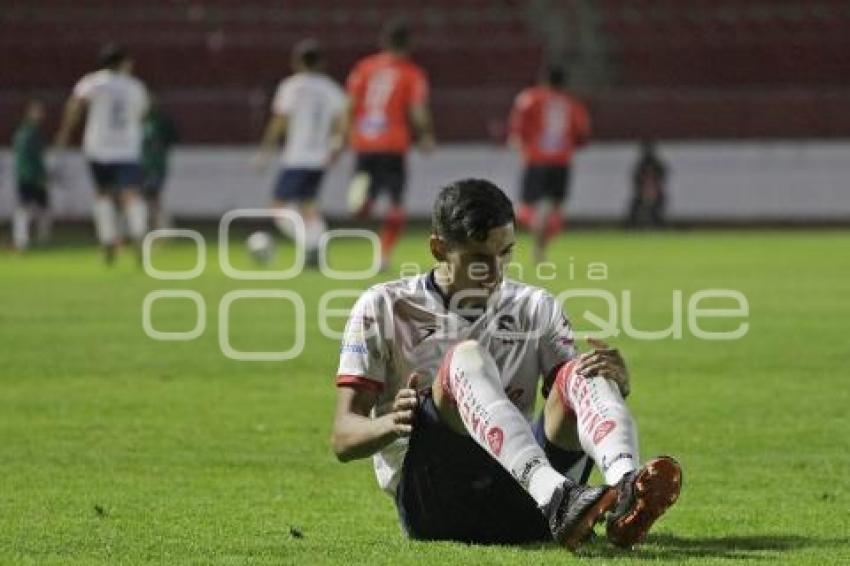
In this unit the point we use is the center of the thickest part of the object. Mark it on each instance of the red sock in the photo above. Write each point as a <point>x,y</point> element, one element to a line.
<point>525,216</point>
<point>391,230</point>
<point>554,224</point>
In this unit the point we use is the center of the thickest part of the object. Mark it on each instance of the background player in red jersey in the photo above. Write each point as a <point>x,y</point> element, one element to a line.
<point>547,125</point>
<point>389,96</point>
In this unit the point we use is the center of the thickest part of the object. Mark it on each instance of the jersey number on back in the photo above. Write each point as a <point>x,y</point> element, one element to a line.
<point>378,93</point>
<point>118,118</point>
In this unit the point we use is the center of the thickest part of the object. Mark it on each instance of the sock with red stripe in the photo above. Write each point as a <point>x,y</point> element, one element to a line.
<point>606,428</point>
<point>472,380</point>
<point>391,230</point>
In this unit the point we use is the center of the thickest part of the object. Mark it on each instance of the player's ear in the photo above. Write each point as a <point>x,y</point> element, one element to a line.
<point>438,247</point>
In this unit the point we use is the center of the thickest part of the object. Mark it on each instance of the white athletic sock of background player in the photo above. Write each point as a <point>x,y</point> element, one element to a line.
<point>495,423</point>
<point>314,226</point>
<point>44,226</point>
<point>285,223</point>
<point>105,221</point>
<point>137,219</point>
<point>606,428</point>
<point>21,228</point>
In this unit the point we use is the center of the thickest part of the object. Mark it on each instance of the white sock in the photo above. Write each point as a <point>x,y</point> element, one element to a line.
<point>496,424</point>
<point>285,224</point>
<point>606,429</point>
<point>137,219</point>
<point>21,228</point>
<point>314,228</point>
<point>45,226</point>
<point>105,221</point>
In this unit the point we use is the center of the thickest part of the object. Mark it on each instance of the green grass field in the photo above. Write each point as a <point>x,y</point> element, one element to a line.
<point>116,448</point>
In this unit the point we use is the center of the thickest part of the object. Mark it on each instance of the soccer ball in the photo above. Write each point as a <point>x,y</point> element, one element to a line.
<point>261,247</point>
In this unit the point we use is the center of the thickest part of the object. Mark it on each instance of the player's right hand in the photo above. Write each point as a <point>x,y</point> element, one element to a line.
<point>404,407</point>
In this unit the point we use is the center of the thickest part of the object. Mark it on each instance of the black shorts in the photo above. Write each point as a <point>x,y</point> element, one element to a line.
<point>387,174</point>
<point>33,194</point>
<point>110,178</point>
<point>549,182</point>
<point>298,184</point>
<point>451,489</point>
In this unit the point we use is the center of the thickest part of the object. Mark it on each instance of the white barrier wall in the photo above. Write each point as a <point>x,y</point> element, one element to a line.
<point>709,181</point>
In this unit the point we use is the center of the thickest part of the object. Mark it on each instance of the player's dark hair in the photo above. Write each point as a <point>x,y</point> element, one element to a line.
<point>309,53</point>
<point>396,35</point>
<point>111,56</point>
<point>556,75</point>
<point>469,209</point>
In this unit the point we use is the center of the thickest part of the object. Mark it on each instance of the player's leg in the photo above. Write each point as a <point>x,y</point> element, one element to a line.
<point>44,219</point>
<point>132,202</point>
<point>470,398</point>
<point>21,228</point>
<point>634,210</point>
<point>590,414</point>
<point>527,210</point>
<point>393,178</point>
<point>285,196</point>
<point>451,489</point>
<point>308,208</point>
<point>21,224</point>
<point>152,194</point>
<point>362,190</point>
<point>657,209</point>
<point>22,215</point>
<point>557,185</point>
<point>104,211</point>
<point>534,208</point>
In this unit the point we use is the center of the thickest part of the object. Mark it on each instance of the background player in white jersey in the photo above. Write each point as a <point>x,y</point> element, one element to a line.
<point>114,104</point>
<point>309,110</point>
<point>460,455</point>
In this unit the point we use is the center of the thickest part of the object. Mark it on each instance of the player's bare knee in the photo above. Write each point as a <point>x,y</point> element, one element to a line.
<point>447,408</point>
<point>559,424</point>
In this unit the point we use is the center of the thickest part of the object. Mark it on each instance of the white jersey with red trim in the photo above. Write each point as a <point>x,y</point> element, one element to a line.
<point>405,326</point>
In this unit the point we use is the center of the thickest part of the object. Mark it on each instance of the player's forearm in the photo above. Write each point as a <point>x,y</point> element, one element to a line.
<point>273,134</point>
<point>356,436</point>
<point>423,124</point>
<point>70,117</point>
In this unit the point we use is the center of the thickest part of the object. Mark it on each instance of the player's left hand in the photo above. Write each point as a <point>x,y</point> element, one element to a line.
<point>605,361</point>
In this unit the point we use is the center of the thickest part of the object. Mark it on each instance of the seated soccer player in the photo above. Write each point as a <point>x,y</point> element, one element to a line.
<point>437,382</point>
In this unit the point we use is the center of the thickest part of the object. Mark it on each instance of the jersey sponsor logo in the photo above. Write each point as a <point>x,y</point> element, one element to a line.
<point>495,437</point>
<point>523,476</point>
<point>606,464</point>
<point>353,348</point>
